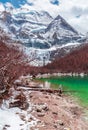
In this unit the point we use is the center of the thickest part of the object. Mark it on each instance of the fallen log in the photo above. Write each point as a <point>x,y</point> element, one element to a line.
<point>50,90</point>
<point>28,86</point>
<point>47,90</point>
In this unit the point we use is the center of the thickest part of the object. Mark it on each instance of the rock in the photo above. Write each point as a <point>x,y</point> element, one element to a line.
<point>75,110</point>
<point>21,124</point>
<point>55,113</point>
<point>22,117</point>
<point>15,104</point>
<point>60,122</point>
<point>30,119</point>
<point>39,109</point>
<point>55,104</point>
<point>4,128</point>
<point>20,101</point>
<point>25,106</point>
<point>55,126</point>
<point>67,129</point>
<point>41,114</point>
<point>42,107</point>
<point>7,125</point>
<point>18,83</point>
<point>17,113</point>
<point>46,96</point>
<point>85,118</point>
<point>31,96</point>
<point>45,108</point>
<point>58,98</point>
<point>39,122</point>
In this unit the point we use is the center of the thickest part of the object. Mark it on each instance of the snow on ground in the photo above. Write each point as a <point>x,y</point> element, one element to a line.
<point>15,118</point>
<point>9,118</point>
<point>40,54</point>
<point>36,56</point>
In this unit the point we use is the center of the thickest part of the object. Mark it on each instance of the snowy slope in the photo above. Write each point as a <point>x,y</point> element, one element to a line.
<point>60,32</point>
<point>38,29</point>
<point>25,27</point>
<point>37,56</point>
<point>39,32</point>
<point>15,118</point>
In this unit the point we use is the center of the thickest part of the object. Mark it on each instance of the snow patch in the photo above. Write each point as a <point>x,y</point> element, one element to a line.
<point>11,119</point>
<point>16,118</point>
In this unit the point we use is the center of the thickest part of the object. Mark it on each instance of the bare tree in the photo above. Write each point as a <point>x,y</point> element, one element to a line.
<point>13,63</point>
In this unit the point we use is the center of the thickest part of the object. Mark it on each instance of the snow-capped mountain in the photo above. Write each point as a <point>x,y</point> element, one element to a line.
<point>60,32</point>
<point>56,32</point>
<point>38,31</point>
<point>25,26</point>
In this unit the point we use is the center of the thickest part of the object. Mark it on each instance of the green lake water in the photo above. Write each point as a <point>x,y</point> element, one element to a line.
<point>78,86</point>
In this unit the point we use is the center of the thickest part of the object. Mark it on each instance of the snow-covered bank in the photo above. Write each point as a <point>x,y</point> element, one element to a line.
<point>45,111</point>
<point>14,118</point>
<point>47,75</point>
<point>10,120</point>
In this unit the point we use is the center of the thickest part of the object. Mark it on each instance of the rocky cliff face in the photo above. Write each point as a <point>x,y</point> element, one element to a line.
<point>39,29</point>
<point>40,32</point>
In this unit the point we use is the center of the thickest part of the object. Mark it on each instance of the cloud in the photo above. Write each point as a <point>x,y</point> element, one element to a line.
<point>2,8</point>
<point>9,5</point>
<point>47,5</point>
<point>74,11</point>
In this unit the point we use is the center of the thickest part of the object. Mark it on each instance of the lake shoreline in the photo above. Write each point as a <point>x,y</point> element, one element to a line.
<point>48,75</point>
<point>75,85</point>
<point>44,110</point>
<point>56,112</point>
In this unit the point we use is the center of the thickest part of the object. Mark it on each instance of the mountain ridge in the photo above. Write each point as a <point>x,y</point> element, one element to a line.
<point>40,25</point>
<point>38,30</point>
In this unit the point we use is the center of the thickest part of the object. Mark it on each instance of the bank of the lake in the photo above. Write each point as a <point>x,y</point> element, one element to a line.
<point>76,85</point>
<point>51,110</point>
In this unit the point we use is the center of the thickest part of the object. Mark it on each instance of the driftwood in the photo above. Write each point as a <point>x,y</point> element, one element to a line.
<point>20,101</point>
<point>20,104</point>
<point>37,88</point>
<point>46,90</point>
<point>49,90</point>
<point>27,86</point>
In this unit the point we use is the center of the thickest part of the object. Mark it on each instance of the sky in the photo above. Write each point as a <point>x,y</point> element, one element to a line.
<point>74,11</point>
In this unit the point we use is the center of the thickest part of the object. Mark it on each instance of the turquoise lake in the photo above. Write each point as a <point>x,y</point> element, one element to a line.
<point>78,86</point>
